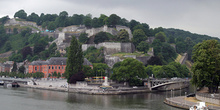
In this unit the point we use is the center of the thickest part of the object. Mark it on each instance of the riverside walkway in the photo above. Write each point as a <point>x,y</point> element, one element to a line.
<point>181,102</point>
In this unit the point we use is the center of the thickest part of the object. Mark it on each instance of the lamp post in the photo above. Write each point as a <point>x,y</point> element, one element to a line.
<point>185,98</point>
<point>171,94</point>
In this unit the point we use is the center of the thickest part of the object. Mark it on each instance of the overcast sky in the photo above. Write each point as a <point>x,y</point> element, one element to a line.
<point>196,16</point>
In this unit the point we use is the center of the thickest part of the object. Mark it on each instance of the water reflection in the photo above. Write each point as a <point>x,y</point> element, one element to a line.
<point>35,99</point>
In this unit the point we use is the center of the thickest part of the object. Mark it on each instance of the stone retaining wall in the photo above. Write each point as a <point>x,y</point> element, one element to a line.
<point>211,98</point>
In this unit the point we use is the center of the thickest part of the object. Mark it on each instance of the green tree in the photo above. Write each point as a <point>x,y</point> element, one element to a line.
<point>88,71</point>
<point>171,39</point>
<point>14,68</point>
<point>113,20</point>
<point>138,36</point>
<point>181,47</point>
<point>33,17</point>
<point>143,46</point>
<point>38,75</point>
<point>132,24</point>
<point>55,74</point>
<point>26,51</point>
<point>101,37</point>
<point>4,19</point>
<point>123,36</point>
<point>74,59</point>
<point>51,26</point>
<point>161,36</point>
<point>21,69</point>
<point>94,55</point>
<point>58,75</point>
<point>144,27</point>
<point>206,67</point>
<point>131,71</point>
<point>83,38</point>
<point>88,22</point>
<point>21,14</point>
<point>7,46</point>
<point>99,69</point>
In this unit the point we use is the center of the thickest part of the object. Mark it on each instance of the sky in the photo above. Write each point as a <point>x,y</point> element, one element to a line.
<point>196,16</point>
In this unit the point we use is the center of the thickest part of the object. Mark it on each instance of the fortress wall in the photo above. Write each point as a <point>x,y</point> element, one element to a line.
<point>127,47</point>
<point>144,59</point>
<point>111,60</point>
<point>110,47</point>
<point>86,46</point>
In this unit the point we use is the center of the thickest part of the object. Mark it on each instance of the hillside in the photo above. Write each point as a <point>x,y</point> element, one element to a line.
<point>29,31</point>
<point>196,38</point>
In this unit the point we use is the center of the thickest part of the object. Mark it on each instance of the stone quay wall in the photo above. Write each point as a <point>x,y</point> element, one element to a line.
<point>211,98</point>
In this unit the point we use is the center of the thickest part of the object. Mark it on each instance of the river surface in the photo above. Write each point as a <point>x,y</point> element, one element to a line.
<point>35,99</point>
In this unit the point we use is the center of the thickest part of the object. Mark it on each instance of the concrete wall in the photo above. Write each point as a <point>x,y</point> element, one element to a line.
<point>205,97</point>
<point>127,47</point>
<point>105,28</point>
<point>111,60</point>
<point>112,47</point>
<point>143,59</point>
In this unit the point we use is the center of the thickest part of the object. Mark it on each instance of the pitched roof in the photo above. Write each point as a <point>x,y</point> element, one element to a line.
<point>57,61</point>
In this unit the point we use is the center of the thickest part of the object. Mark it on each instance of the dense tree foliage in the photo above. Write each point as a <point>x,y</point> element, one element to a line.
<point>101,37</point>
<point>100,69</point>
<point>206,67</point>
<point>74,59</point>
<point>21,14</point>
<point>4,19</point>
<point>138,36</point>
<point>161,36</point>
<point>131,71</point>
<point>164,51</point>
<point>143,46</point>
<point>83,38</point>
<point>173,69</point>
<point>123,36</point>
<point>94,55</point>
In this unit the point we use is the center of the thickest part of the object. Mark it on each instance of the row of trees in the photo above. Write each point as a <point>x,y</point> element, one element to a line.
<point>53,21</point>
<point>206,67</point>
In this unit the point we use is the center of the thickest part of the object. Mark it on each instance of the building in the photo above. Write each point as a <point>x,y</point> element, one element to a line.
<point>6,66</point>
<point>54,64</point>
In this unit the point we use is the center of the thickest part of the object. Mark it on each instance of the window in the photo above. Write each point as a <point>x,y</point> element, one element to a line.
<point>55,67</point>
<point>49,67</point>
<point>62,67</point>
<point>59,67</point>
<point>52,67</point>
<point>35,68</point>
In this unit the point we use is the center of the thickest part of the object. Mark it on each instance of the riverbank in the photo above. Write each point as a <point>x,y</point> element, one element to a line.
<point>185,103</point>
<point>84,88</point>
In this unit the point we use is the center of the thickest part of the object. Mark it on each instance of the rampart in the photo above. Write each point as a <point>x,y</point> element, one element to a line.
<point>112,47</point>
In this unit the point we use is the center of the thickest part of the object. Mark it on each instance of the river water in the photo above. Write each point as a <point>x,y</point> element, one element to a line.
<point>35,99</point>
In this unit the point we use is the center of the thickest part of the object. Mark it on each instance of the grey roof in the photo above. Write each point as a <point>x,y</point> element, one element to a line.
<point>39,63</point>
<point>57,61</point>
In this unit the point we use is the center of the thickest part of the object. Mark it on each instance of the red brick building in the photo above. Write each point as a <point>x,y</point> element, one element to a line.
<point>54,64</point>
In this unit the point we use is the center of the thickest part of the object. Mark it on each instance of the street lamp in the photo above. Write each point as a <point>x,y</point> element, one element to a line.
<point>171,94</point>
<point>185,98</point>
